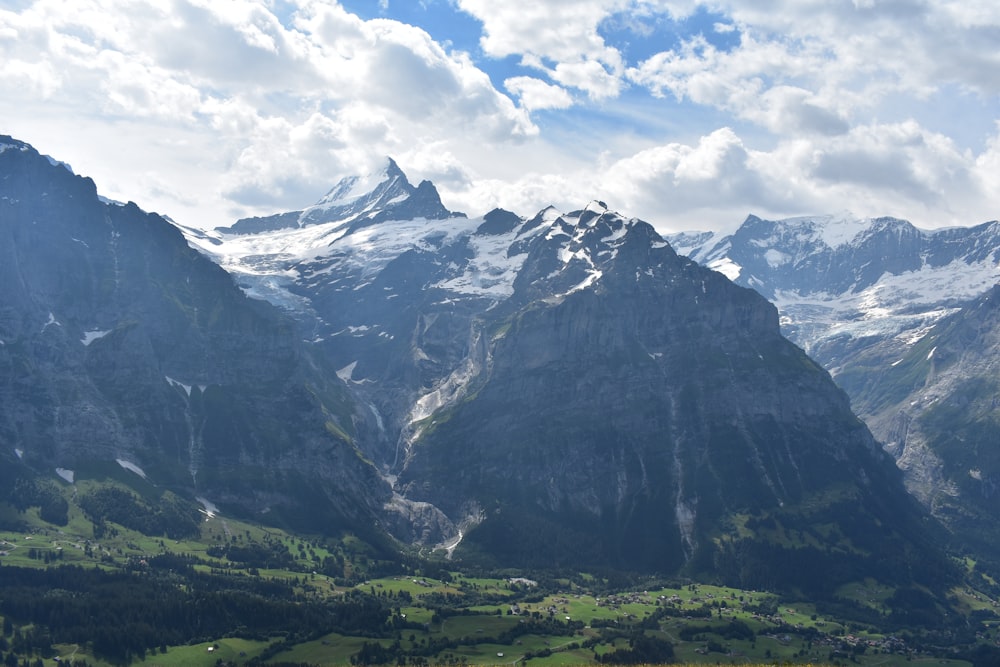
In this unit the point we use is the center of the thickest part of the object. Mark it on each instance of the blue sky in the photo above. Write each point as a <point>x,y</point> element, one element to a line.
<point>689,115</point>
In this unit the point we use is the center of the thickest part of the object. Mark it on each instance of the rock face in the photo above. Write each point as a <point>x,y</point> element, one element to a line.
<point>903,318</point>
<point>628,420</point>
<point>566,389</point>
<point>938,411</point>
<point>120,342</point>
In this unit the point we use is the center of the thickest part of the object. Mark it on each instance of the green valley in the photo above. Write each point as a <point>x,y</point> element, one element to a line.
<point>95,591</point>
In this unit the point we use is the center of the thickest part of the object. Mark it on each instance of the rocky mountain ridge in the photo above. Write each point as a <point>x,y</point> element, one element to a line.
<point>842,283</point>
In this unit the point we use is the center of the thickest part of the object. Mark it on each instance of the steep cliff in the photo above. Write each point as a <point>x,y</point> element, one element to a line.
<point>118,342</point>
<point>632,408</point>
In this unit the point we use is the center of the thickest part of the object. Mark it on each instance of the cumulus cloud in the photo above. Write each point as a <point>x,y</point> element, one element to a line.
<point>896,169</point>
<point>209,110</point>
<point>280,108</point>
<point>716,177</point>
<point>536,94</point>
<point>559,37</point>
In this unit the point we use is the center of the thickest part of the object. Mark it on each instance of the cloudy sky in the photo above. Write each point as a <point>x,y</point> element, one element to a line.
<point>689,115</point>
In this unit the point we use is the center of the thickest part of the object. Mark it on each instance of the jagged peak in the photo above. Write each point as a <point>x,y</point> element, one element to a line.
<point>371,185</point>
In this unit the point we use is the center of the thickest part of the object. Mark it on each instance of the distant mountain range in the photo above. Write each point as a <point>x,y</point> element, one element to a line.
<point>904,320</point>
<point>559,390</point>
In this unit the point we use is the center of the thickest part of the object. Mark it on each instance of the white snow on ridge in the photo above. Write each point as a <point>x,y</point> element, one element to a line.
<point>930,285</point>
<point>12,147</point>
<point>19,452</point>
<point>58,163</point>
<point>274,254</point>
<point>350,189</point>
<point>110,202</point>
<point>840,229</point>
<point>269,265</point>
<point>67,475</point>
<point>131,467</point>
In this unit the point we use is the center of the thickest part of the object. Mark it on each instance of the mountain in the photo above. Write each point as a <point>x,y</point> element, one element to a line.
<point>567,390</point>
<point>900,316</point>
<point>361,200</point>
<point>122,346</point>
<point>844,284</point>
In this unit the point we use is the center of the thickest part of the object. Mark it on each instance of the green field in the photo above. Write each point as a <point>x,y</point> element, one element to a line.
<point>472,618</point>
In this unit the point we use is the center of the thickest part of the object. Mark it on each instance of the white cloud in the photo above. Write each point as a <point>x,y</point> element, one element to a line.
<point>559,37</point>
<point>677,183</point>
<point>536,94</point>
<point>271,112</point>
<point>208,110</point>
<point>894,169</point>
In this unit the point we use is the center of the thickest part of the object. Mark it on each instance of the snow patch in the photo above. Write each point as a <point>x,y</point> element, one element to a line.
<point>492,269</point>
<point>19,452</point>
<point>52,321</point>
<point>726,267</point>
<point>776,258</point>
<point>930,355</point>
<point>175,383</point>
<point>67,475</point>
<point>90,336</point>
<point>840,229</point>
<point>210,510</point>
<point>347,372</point>
<point>131,467</point>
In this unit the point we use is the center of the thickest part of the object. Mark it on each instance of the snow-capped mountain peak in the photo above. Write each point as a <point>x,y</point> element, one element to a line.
<point>383,194</point>
<point>376,187</point>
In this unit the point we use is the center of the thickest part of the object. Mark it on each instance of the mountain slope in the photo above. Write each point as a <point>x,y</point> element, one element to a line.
<point>567,390</point>
<point>937,411</point>
<point>118,342</point>
<point>901,317</point>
